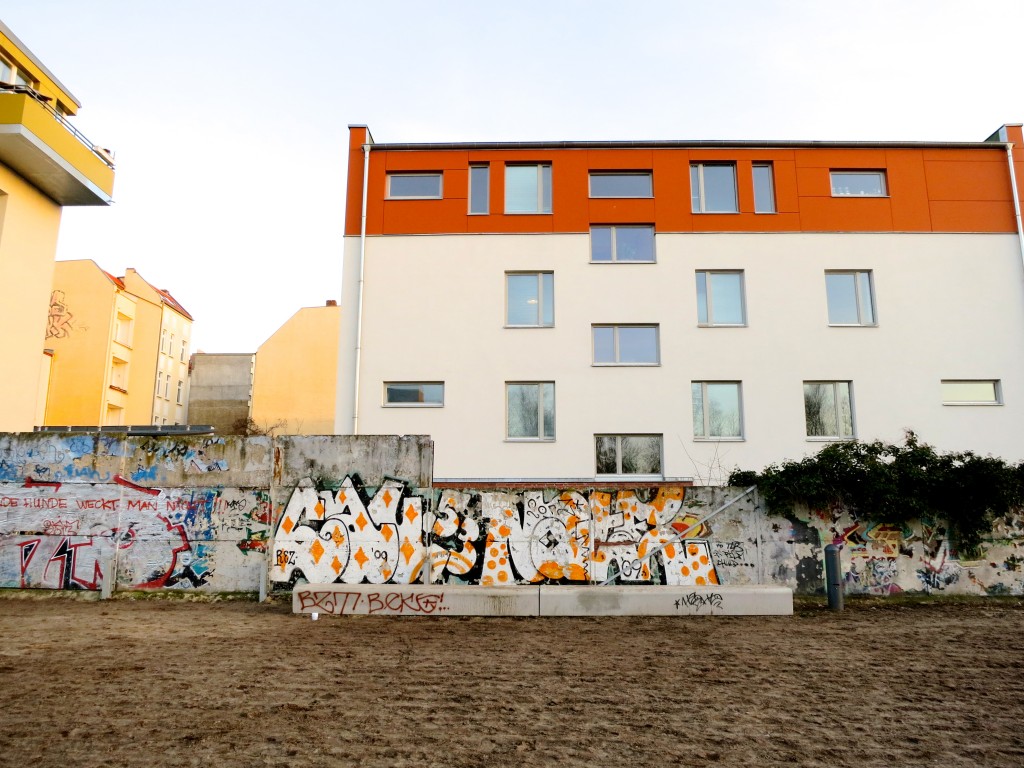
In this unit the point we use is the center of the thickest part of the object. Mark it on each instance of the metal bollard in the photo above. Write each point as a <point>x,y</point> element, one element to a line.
<point>834,578</point>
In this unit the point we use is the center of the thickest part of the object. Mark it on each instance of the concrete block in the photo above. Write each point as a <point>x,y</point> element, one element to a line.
<point>414,600</point>
<point>752,600</point>
<point>374,458</point>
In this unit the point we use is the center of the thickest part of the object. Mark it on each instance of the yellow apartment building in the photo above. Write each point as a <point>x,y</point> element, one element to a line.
<point>295,383</point>
<point>45,164</point>
<point>118,350</point>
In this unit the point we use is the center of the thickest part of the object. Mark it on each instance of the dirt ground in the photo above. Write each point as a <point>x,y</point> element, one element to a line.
<point>162,682</point>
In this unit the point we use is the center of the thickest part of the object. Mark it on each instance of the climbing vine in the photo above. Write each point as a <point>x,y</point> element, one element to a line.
<point>894,483</point>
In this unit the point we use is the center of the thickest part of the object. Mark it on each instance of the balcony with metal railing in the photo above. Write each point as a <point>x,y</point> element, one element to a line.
<point>41,145</point>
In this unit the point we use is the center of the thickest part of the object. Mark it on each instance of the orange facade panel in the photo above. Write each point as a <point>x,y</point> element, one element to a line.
<point>925,189</point>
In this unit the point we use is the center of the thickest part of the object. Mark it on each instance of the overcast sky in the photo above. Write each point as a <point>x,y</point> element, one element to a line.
<point>229,117</point>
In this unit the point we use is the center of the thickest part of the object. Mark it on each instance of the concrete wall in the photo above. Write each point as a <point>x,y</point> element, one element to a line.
<point>212,512</point>
<point>220,390</point>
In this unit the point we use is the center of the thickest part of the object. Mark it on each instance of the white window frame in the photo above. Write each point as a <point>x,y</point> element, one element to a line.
<point>616,327</point>
<point>405,404</point>
<point>649,175</point>
<point>181,386</point>
<point>709,297</point>
<point>759,207</point>
<point>698,195</point>
<point>880,173</point>
<point>838,411</point>
<point>997,391</point>
<point>419,174</point>
<point>619,473</point>
<point>857,297</point>
<point>539,438</point>
<point>705,428</point>
<point>486,167</point>
<point>614,230</point>
<point>540,209</point>
<point>541,306</point>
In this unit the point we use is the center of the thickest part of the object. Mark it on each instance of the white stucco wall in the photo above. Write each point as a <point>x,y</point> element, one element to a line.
<point>949,306</point>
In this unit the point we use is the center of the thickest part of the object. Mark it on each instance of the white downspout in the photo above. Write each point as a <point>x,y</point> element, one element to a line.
<point>1016,201</point>
<point>359,300</point>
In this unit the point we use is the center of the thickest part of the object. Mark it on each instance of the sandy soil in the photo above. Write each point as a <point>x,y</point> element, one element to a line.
<point>161,683</point>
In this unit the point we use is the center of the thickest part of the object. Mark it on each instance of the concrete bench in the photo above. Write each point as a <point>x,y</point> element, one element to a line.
<point>548,600</point>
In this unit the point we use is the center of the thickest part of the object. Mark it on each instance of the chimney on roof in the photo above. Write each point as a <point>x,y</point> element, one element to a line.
<point>332,303</point>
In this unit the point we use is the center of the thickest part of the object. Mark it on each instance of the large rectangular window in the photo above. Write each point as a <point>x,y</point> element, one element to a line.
<point>527,189</point>
<point>628,454</point>
<point>479,188</point>
<point>414,186</point>
<point>530,299</point>
<point>828,409</point>
<point>716,409</point>
<point>414,393</point>
<point>713,188</point>
<point>530,410</point>
<point>625,345</point>
<point>850,298</point>
<point>858,183</point>
<point>621,184</point>
<point>623,243</point>
<point>971,392</point>
<point>764,188</point>
<point>720,299</point>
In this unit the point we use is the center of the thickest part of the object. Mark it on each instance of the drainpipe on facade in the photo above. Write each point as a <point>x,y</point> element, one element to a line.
<point>359,300</point>
<point>1016,201</point>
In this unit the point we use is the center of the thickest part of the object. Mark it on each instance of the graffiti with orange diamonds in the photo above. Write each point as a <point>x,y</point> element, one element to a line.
<point>491,539</point>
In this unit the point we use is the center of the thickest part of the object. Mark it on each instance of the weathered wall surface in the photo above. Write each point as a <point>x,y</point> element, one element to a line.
<point>213,512</point>
<point>163,512</point>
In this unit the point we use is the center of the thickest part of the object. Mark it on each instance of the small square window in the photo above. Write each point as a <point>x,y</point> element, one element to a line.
<point>713,188</point>
<point>626,345</point>
<point>828,409</point>
<point>628,455</point>
<point>479,189</point>
<point>764,188</point>
<point>716,409</point>
<point>858,184</point>
<point>414,186</point>
<point>850,298</point>
<point>720,300</point>
<point>530,410</point>
<point>527,189</point>
<point>622,243</point>
<point>530,299</point>
<point>621,184</point>
<point>971,392</point>
<point>414,393</point>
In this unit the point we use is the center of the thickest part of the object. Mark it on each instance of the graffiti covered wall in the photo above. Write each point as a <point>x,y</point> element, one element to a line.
<point>212,513</point>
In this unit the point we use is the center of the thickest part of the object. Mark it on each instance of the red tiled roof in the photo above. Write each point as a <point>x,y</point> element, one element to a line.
<point>115,280</point>
<point>172,302</point>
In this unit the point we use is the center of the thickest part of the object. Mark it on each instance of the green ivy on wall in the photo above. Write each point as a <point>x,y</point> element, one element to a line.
<point>893,483</point>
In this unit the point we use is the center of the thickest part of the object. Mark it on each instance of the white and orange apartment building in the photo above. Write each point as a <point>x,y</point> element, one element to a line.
<point>669,310</point>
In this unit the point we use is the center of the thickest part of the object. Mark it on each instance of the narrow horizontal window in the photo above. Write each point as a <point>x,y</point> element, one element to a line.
<point>828,409</point>
<point>530,410</point>
<point>628,455</point>
<point>850,297</point>
<point>971,392</point>
<point>716,409</point>
<point>858,184</point>
<point>527,189</point>
<point>720,300</point>
<point>621,184</point>
<point>624,243</point>
<point>414,186</point>
<point>625,345</point>
<point>414,393</point>
<point>530,299</point>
